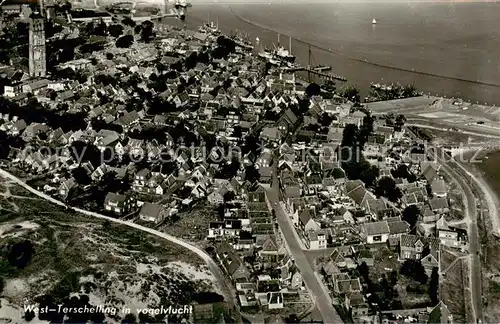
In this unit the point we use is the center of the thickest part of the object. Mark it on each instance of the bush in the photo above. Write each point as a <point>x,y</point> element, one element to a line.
<point>125,41</point>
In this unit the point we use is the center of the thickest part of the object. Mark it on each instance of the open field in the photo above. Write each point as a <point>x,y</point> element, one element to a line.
<point>192,224</point>
<point>49,253</point>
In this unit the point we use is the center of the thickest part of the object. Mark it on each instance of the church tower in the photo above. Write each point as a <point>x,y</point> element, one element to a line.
<point>37,59</point>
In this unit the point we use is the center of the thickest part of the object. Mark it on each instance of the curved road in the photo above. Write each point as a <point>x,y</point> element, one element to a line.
<point>454,169</point>
<point>214,268</point>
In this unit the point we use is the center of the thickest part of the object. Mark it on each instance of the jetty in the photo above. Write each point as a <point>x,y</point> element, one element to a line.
<point>318,70</point>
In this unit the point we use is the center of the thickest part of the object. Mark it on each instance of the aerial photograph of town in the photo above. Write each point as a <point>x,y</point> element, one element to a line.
<point>249,161</point>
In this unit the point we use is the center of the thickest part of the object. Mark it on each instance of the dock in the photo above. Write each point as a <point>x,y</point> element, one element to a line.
<point>327,76</point>
<point>316,70</point>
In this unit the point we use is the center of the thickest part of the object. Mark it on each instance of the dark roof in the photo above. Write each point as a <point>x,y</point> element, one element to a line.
<point>409,240</point>
<point>398,227</point>
<point>151,210</point>
<point>376,228</point>
<point>305,216</point>
<point>114,198</point>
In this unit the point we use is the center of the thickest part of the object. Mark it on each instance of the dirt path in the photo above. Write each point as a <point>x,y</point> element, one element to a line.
<point>212,265</point>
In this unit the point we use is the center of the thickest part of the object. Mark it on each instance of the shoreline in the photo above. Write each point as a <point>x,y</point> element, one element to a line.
<point>359,73</point>
<point>357,59</point>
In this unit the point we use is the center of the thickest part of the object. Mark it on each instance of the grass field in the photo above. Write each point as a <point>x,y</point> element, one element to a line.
<point>112,264</point>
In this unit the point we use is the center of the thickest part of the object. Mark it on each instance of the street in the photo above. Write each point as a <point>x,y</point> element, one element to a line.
<point>319,293</point>
<point>454,170</point>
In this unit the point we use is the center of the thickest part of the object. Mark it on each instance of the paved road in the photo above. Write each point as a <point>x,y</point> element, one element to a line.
<point>319,293</point>
<point>474,245</point>
<point>453,168</point>
<point>213,267</point>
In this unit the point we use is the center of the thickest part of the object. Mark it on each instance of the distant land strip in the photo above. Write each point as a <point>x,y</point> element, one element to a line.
<point>357,59</point>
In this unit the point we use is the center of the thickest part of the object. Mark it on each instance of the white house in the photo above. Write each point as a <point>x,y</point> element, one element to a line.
<point>317,240</point>
<point>376,232</point>
<point>152,213</point>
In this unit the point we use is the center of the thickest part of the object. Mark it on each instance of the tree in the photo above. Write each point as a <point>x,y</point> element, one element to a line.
<point>351,93</point>
<point>434,287</point>
<point>350,135</point>
<point>127,21</point>
<point>116,30</point>
<point>237,132</point>
<point>29,315</point>
<point>400,121</point>
<point>411,215</point>
<point>414,269</point>
<point>20,254</point>
<point>147,32</point>
<point>129,319</point>
<point>387,187</point>
<point>402,172</point>
<point>125,41</point>
<point>81,176</point>
<point>252,174</point>
<point>313,89</point>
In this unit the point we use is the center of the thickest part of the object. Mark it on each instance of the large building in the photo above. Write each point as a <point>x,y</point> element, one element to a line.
<point>37,59</point>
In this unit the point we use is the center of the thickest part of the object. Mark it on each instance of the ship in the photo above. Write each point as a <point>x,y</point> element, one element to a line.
<point>374,21</point>
<point>281,53</point>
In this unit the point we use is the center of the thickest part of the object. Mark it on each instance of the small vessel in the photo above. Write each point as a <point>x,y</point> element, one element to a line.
<point>374,21</point>
<point>257,39</point>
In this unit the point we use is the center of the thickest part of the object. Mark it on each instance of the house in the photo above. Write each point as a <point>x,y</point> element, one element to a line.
<point>117,203</point>
<point>33,130</point>
<point>356,304</point>
<point>258,194</point>
<point>18,127</point>
<point>232,263</point>
<point>347,286</point>
<point>99,172</point>
<point>152,213</point>
<point>428,216</point>
<point>375,232</point>
<point>227,228</point>
<point>141,178</point>
<point>356,190</point>
<point>306,222</point>
<point>67,187</point>
<point>265,176</point>
<point>439,188</point>
<point>429,170</point>
<point>216,197</point>
<point>450,237</point>
<point>317,239</point>
<point>181,99</point>
<point>286,121</point>
<point>425,249</point>
<point>397,227</point>
<point>439,205</point>
<point>271,134</point>
<point>265,159</point>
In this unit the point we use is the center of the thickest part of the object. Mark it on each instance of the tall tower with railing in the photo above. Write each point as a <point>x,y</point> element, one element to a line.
<point>37,56</point>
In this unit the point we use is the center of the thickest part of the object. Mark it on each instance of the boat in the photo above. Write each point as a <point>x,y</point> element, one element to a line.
<point>282,53</point>
<point>374,21</point>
